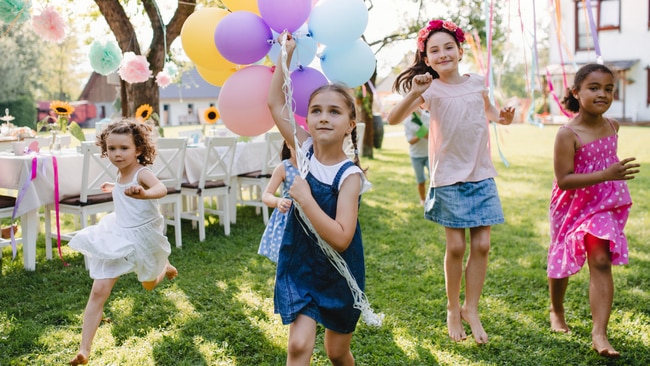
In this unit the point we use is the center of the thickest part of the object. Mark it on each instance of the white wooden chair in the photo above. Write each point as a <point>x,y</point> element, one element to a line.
<point>348,147</point>
<point>7,204</point>
<point>91,201</point>
<point>215,181</point>
<point>255,182</point>
<point>169,167</point>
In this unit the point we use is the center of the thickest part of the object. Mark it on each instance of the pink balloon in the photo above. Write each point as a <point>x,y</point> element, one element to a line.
<point>301,121</point>
<point>284,14</point>
<point>242,101</point>
<point>305,80</point>
<point>243,37</point>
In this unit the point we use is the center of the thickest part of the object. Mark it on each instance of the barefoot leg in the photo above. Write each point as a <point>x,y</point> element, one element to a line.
<point>92,317</point>
<point>454,253</point>
<point>475,273</point>
<point>557,288</point>
<point>601,293</point>
<point>169,271</point>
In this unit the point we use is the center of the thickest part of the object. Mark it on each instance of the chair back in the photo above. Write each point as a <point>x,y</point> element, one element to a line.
<point>348,146</point>
<point>272,152</point>
<point>95,170</point>
<point>219,157</point>
<point>169,165</point>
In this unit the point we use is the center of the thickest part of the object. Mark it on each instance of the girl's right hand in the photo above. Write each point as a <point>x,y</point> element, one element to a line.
<point>623,170</point>
<point>290,41</point>
<point>421,83</point>
<point>107,187</point>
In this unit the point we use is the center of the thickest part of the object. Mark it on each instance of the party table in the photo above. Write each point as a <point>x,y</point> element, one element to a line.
<point>37,189</point>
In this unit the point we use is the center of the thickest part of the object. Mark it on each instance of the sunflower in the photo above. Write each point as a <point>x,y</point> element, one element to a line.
<point>61,108</point>
<point>211,115</point>
<point>143,112</point>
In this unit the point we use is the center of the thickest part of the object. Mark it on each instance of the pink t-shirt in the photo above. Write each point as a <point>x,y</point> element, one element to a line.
<point>459,139</point>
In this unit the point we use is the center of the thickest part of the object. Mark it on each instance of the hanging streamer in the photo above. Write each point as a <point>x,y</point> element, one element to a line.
<point>360,300</point>
<point>594,33</point>
<point>555,97</point>
<point>489,7</point>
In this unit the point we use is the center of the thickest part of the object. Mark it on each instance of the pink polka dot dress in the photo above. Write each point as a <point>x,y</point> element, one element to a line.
<point>600,210</point>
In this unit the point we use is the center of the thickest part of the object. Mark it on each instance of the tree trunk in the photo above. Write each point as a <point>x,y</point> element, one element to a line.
<point>163,36</point>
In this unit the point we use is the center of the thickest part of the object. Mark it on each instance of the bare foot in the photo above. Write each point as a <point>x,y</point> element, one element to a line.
<point>171,272</point>
<point>455,326</point>
<point>80,359</point>
<point>601,345</point>
<point>471,317</point>
<point>558,324</point>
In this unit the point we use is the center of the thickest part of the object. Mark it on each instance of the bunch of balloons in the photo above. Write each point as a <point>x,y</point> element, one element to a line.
<point>228,48</point>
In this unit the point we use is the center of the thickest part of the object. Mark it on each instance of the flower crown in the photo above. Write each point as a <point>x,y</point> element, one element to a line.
<point>436,25</point>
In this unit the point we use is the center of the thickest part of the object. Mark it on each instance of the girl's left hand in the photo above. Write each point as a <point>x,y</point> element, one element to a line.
<point>506,115</point>
<point>136,191</point>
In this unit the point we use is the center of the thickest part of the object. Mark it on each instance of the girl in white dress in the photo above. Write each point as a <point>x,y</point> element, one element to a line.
<point>131,238</point>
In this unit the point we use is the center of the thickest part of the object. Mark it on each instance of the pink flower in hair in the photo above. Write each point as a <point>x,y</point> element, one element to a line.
<point>449,25</point>
<point>436,25</point>
<point>49,25</point>
<point>134,68</point>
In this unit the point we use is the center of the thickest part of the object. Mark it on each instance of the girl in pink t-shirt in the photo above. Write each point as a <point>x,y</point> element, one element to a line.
<point>462,193</point>
<point>590,202</point>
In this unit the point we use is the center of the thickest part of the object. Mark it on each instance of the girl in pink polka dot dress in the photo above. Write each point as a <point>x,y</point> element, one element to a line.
<point>590,202</point>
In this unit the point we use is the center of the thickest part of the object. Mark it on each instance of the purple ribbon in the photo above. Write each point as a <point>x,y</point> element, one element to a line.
<point>594,33</point>
<point>19,199</point>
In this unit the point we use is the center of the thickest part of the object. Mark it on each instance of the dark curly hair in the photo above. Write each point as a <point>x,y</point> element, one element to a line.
<point>418,67</point>
<point>569,101</point>
<point>142,137</point>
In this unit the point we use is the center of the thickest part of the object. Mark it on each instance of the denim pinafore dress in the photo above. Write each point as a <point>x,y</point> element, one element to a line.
<point>306,282</point>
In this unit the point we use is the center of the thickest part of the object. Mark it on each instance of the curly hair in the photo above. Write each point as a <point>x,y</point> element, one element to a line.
<point>569,101</point>
<point>142,137</point>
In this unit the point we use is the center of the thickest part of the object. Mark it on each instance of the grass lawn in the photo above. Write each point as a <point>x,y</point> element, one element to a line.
<point>219,311</point>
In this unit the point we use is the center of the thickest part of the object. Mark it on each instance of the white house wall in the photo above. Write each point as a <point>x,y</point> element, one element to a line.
<point>630,43</point>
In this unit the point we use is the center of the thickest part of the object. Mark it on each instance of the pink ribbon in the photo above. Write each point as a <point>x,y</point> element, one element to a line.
<point>55,168</point>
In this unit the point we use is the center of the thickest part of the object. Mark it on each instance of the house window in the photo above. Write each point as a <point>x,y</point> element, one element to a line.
<point>606,14</point>
<point>647,70</point>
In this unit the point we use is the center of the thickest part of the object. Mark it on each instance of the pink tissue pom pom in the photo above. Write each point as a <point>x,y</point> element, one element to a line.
<point>163,79</point>
<point>134,68</point>
<point>49,25</point>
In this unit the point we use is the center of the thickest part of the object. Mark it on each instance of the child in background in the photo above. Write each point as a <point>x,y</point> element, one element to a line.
<point>416,129</point>
<point>590,202</point>
<point>284,175</point>
<point>462,193</point>
<point>308,288</point>
<point>131,238</point>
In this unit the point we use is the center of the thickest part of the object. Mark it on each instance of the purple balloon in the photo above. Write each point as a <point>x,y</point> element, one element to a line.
<point>305,80</point>
<point>284,14</point>
<point>243,37</point>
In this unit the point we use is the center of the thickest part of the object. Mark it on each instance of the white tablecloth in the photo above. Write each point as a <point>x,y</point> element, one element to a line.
<point>15,175</point>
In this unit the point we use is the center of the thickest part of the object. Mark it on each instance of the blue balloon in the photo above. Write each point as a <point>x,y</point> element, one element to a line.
<point>336,22</point>
<point>351,64</point>
<point>305,52</point>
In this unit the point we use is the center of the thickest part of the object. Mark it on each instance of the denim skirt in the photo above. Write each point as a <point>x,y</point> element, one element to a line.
<point>465,205</point>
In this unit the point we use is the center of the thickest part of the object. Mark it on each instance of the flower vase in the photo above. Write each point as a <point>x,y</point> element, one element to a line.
<point>55,141</point>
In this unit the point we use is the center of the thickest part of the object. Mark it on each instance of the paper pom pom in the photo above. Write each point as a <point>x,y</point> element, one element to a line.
<point>49,25</point>
<point>171,69</point>
<point>163,79</point>
<point>105,58</point>
<point>14,10</point>
<point>134,68</point>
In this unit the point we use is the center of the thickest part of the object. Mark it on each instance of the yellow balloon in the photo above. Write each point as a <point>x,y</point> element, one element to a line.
<point>216,77</point>
<point>197,38</point>
<point>247,5</point>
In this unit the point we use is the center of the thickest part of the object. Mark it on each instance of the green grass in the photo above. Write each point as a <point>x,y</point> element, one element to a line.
<point>219,311</point>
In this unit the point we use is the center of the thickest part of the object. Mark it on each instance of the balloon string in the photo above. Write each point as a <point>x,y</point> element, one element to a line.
<point>360,301</point>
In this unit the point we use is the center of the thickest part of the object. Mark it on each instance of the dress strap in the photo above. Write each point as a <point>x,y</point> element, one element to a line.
<point>135,176</point>
<point>339,174</point>
<point>575,133</point>
<point>612,125</point>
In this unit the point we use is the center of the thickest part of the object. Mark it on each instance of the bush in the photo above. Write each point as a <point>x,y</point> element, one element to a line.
<point>22,109</point>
